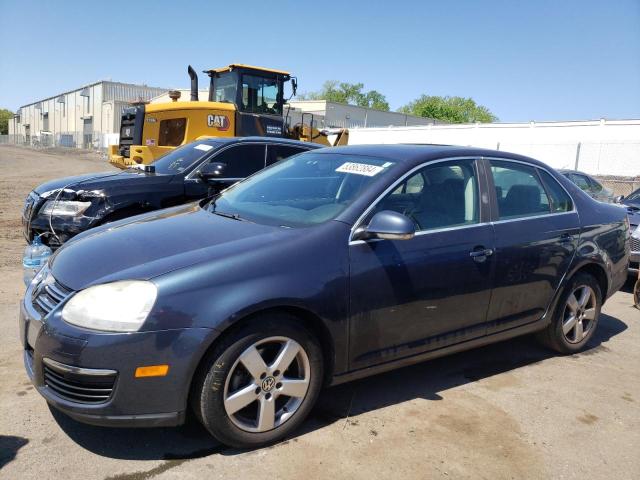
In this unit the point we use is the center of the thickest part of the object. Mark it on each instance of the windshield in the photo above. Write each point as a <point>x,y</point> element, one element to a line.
<point>635,196</point>
<point>306,189</point>
<point>180,159</point>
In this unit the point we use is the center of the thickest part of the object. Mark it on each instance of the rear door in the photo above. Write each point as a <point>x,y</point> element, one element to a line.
<point>411,296</point>
<point>536,228</point>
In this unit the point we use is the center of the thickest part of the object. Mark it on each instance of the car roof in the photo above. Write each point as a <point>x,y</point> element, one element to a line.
<point>413,154</point>
<point>568,170</point>
<point>288,141</point>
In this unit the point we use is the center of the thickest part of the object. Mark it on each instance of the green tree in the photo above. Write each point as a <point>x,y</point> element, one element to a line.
<point>449,109</point>
<point>349,93</point>
<point>5,116</point>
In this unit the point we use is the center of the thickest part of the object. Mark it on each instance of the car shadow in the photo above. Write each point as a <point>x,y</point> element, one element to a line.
<point>425,380</point>
<point>9,446</point>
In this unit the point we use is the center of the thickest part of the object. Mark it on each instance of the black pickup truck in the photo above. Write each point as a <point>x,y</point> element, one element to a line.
<point>62,208</point>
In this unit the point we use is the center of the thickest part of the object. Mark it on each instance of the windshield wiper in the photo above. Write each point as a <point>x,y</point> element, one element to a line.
<point>234,216</point>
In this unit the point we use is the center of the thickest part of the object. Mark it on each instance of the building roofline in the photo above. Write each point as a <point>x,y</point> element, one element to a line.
<point>90,85</point>
<point>326,102</point>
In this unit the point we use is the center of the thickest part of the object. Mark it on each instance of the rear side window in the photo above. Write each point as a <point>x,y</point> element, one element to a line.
<point>279,152</point>
<point>581,181</point>
<point>241,160</point>
<point>172,132</point>
<point>559,199</point>
<point>518,190</point>
<point>595,186</point>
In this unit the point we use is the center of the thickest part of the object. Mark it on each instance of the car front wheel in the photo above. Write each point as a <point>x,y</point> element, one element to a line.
<point>259,383</point>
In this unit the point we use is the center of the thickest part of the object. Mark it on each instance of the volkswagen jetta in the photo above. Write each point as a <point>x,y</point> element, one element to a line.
<point>328,266</point>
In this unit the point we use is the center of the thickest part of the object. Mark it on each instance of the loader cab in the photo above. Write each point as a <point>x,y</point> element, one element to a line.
<point>257,93</point>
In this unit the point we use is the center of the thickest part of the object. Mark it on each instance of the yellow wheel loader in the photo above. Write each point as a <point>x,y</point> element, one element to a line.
<point>243,101</point>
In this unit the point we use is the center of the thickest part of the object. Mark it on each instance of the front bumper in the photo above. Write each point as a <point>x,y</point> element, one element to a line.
<point>64,362</point>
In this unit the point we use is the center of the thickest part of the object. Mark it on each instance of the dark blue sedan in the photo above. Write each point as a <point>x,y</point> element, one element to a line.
<point>328,266</point>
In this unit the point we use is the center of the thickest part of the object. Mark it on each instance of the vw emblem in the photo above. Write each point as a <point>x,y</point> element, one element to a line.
<point>268,384</point>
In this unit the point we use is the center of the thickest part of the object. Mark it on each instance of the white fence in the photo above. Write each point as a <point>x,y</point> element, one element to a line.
<point>595,147</point>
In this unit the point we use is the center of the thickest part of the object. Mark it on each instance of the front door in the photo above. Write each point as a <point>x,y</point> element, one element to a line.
<point>410,296</point>
<point>536,230</point>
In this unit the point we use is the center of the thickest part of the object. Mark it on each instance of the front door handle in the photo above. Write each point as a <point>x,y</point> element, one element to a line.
<point>480,254</point>
<point>566,238</point>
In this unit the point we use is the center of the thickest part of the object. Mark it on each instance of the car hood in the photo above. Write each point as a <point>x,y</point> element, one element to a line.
<point>150,245</point>
<point>100,181</point>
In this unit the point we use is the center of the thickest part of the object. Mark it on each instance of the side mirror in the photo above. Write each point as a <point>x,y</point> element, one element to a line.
<point>294,85</point>
<point>618,199</point>
<point>387,225</point>
<point>212,171</point>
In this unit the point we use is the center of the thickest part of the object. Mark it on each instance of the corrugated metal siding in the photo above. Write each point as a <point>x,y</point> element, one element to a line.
<point>121,92</point>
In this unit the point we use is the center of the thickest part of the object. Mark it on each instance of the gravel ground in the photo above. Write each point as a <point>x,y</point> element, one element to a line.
<point>510,410</point>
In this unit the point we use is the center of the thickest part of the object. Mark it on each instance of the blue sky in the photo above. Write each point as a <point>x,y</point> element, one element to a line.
<point>524,60</point>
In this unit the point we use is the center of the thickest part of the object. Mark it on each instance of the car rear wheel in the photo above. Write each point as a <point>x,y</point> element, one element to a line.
<point>259,383</point>
<point>576,316</point>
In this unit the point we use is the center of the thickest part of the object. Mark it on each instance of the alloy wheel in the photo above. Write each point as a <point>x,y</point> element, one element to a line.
<point>267,384</point>
<point>579,314</point>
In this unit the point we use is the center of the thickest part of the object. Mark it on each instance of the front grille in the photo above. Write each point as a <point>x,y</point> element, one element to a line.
<point>77,387</point>
<point>635,244</point>
<point>48,294</point>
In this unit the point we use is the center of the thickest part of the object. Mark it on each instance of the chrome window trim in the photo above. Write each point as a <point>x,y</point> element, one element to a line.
<point>460,227</point>
<point>95,372</point>
<point>426,232</point>
<point>533,217</point>
<point>400,180</point>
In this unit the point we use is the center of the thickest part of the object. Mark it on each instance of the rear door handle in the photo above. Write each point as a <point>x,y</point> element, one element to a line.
<point>481,254</point>
<point>566,238</point>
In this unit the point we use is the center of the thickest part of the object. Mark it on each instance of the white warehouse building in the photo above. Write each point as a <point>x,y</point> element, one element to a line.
<point>87,117</point>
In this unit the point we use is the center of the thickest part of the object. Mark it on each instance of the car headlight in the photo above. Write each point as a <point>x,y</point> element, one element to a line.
<point>64,208</point>
<point>115,307</point>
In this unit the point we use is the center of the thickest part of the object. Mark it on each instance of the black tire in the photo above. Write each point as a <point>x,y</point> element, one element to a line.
<point>210,384</point>
<point>553,336</point>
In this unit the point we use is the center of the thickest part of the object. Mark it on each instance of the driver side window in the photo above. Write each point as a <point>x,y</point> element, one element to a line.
<point>437,196</point>
<point>241,160</point>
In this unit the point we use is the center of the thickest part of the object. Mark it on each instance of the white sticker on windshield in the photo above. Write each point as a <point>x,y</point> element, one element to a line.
<point>359,169</point>
<point>204,147</point>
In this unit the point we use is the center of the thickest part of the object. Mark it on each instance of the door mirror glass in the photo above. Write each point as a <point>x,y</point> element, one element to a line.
<point>387,225</point>
<point>212,171</point>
